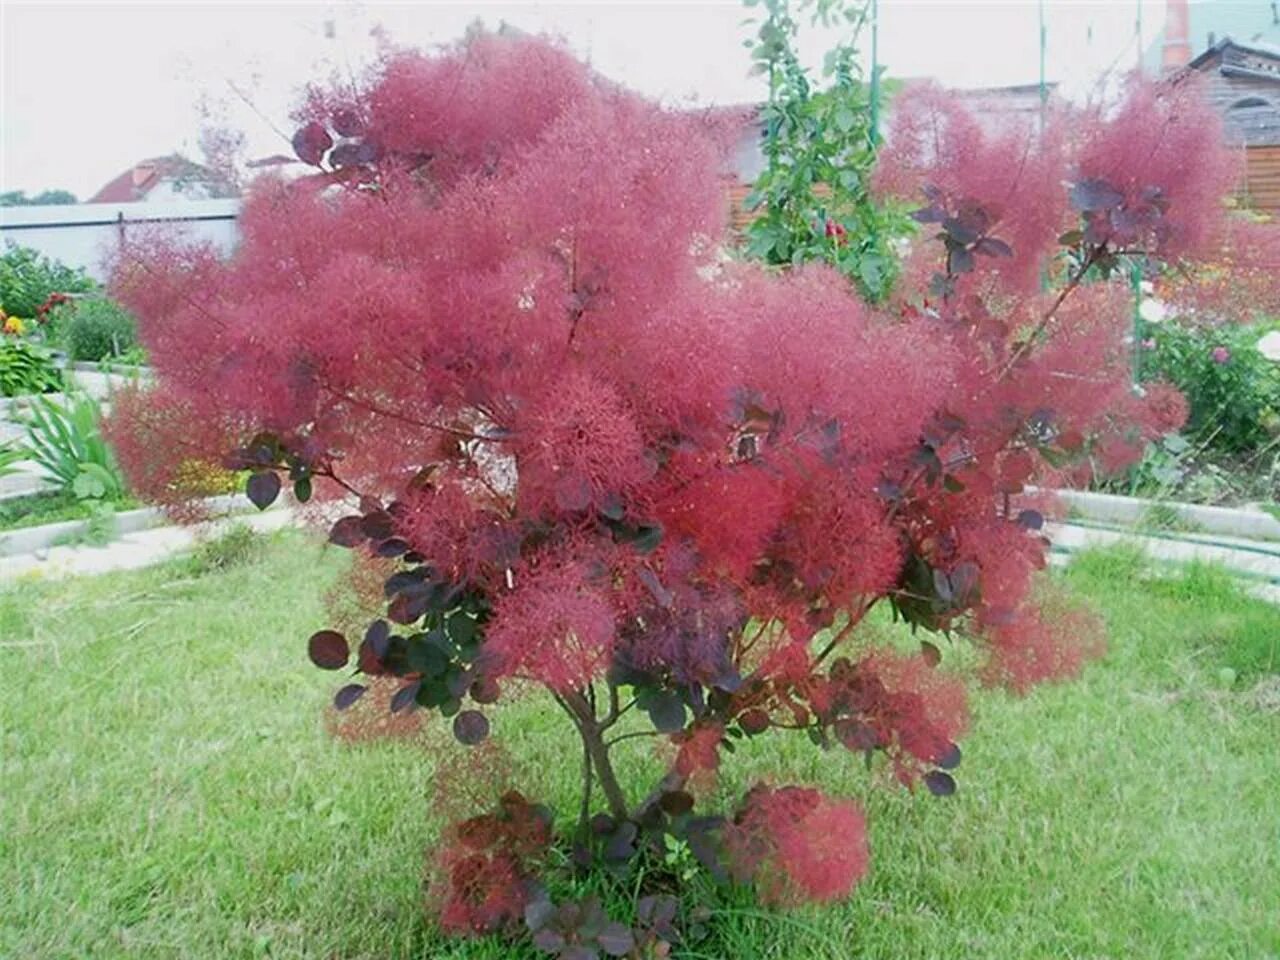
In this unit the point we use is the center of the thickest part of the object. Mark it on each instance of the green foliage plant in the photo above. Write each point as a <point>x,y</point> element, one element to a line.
<point>813,201</point>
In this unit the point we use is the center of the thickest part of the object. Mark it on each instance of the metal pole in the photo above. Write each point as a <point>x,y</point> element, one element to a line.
<point>1044,89</point>
<point>875,72</point>
<point>1137,26</point>
<point>1135,282</point>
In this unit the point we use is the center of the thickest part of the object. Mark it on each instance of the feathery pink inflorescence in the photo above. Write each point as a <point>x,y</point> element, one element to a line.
<point>782,839</point>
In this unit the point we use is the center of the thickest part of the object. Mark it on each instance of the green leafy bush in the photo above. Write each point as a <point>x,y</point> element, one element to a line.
<point>64,439</point>
<point>27,279</point>
<point>95,329</point>
<point>813,202</point>
<point>25,367</point>
<point>1232,388</point>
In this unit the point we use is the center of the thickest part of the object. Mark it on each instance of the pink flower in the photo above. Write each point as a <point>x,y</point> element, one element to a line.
<point>1221,355</point>
<point>1149,343</point>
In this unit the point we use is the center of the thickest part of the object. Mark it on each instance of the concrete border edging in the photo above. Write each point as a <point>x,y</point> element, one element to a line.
<point>1230,521</point>
<point>32,539</point>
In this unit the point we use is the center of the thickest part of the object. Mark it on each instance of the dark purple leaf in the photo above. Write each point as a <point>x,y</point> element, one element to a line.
<point>377,640</point>
<point>655,587</point>
<point>993,247</point>
<point>950,759</point>
<point>611,507</point>
<point>647,538</point>
<point>960,260</point>
<point>754,721</point>
<point>406,581</point>
<point>1089,196</point>
<point>406,697</point>
<point>964,581</point>
<point>579,951</point>
<point>393,547</point>
<point>549,940</point>
<point>616,939</point>
<point>1031,519</point>
<point>368,151</point>
<point>942,585</point>
<point>602,823</point>
<point>346,532</point>
<point>961,229</point>
<point>485,690</point>
<point>928,215</point>
<point>348,695</point>
<point>408,608</point>
<point>621,845</point>
<point>377,525</point>
<point>345,155</point>
<point>470,727</point>
<point>940,784</point>
<point>856,736</point>
<point>666,711</point>
<point>347,123</point>
<point>311,142</point>
<point>377,636</point>
<point>676,802</point>
<point>328,650</point>
<point>538,913</point>
<point>263,488</point>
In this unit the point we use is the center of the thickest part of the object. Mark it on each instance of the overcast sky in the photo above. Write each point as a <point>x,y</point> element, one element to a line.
<point>88,89</point>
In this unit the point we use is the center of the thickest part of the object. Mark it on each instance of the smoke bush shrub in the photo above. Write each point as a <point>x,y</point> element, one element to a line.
<point>579,451</point>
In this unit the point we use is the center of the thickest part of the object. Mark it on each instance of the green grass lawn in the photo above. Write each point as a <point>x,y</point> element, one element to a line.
<point>169,788</point>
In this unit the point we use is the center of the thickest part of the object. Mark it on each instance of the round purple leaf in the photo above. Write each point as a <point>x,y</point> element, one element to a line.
<point>311,142</point>
<point>328,650</point>
<point>348,695</point>
<point>470,727</point>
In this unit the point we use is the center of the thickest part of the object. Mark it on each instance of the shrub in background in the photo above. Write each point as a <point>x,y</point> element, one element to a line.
<point>28,278</point>
<point>94,328</point>
<point>1232,387</point>
<point>580,452</point>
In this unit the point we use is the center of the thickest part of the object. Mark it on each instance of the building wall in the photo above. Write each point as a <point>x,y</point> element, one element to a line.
<point>88,234</point>
<point>1252,125</point>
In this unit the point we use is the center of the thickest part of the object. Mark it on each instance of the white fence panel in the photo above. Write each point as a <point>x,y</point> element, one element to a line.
<point>88,234</point>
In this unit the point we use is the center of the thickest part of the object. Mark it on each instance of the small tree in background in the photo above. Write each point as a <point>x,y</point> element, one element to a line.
<point>813,201</point>
<point>577,451</point>
<point>19,198</point>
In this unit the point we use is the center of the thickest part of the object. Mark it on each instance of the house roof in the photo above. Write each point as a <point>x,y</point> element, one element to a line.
<point>144,176</point>
<point>1250,23</point>
<point>1266,50</point>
